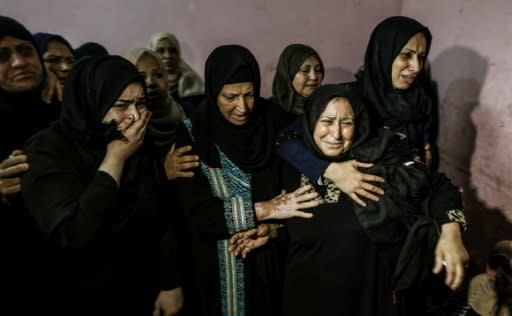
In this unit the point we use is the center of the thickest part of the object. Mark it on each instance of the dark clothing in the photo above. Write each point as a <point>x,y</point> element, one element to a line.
<point>401,227</point>
<point>332,266</point>
<point>111,249</point>
<point>21,115</point>
<point>237,169</point>
<point>104,255</point>
<point>400,110</point>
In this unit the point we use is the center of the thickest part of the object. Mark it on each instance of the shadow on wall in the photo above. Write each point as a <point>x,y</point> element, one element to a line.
<point>460,72</point>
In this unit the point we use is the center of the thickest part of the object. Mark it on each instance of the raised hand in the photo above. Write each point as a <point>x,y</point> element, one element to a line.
<point>287,205</point>
<point>177,163</point>
<point>52,88</point>
<point>354,183</point>
<point>10,171</point>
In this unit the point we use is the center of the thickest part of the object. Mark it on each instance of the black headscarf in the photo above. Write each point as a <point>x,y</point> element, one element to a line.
<point>90,90</point>
<point>290,60</point>
<point>401,110</point>
<point>22,113</point>
<point>90,49</point>
<point>249,146</point>
<point>42,40</point>
<point>362,148</point>
<point>400,223</point>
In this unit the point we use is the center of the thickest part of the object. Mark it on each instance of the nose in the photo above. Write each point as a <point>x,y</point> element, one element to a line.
<point>313,75</point>
<point>150,82</point>
<point>415,64</point>
<point>336,131</point>
<point>135,112</point>
<point>18,60</point>
<point>242,105</point>
<point>65,66</point>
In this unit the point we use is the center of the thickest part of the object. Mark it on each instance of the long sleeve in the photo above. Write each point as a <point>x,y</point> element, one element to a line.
<point>446,201</point>
<point>209,214</point>
<point>68,208</point>
<point>291,148</point>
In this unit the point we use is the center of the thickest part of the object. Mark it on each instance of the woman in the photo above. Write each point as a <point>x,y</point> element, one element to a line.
<point>166,114</point>
<point>353,260</point>
<point>233,133</point>
<point>393,81</point>
<point>299,72</point>
<point>95,190</point>
<point>390,85</point>
<point>185,85</point>
<point>58,55</point>
<point>23,112</point>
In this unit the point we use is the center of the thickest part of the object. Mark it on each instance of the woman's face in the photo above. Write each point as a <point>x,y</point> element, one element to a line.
<point>58,59</point>
<point>409,62</point>
<point>169,54</point>
<point>156,82</point>
<point>335,128</point>
<point>309,77</point>
<point>236,101</point>
<point>20,67</point>
<point>131,103</point>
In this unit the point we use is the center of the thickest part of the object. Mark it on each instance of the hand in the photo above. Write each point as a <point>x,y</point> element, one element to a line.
<point>176,162</point>
<point>10,172</point>
<point>243,242</point>
<point>133,132</point>
<point>52,88</point>
<point>169,302</point>
<point>353,182</point>
<point>428,155</point>
<point>451,254</point>
<point>288,205</point>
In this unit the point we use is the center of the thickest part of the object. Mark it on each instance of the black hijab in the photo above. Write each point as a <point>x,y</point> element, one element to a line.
<point>90,90</point>
<point>401,110</point>
<point>249,146</point>
<point>364,148</point>
<point>400,223</point>
<point>90,49</point>
<point>290,60</point>
<point>42,40</point>
<point>22,113</point>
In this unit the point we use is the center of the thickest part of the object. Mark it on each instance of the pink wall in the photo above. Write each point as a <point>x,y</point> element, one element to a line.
<point>471,63</point>
<point>338,29</point>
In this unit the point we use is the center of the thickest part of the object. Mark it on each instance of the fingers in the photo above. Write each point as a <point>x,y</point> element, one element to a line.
<point>356,163</point>
<point>8,169</point>
<point>125,123</point>
<point>184,149</point>
<point>356,199</point>
<point>301,214</point>
<point>366,194</point>
<point>371,178</point>
<point>306,197</point>
<point>184,174</point>
<point>300,190</point>
<point>438,264</point>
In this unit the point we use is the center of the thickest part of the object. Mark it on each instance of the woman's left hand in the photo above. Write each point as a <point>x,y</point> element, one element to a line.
<point>52,88</point>
<point>451,255</point>
<point>169,302</point>
<point>244,242</point>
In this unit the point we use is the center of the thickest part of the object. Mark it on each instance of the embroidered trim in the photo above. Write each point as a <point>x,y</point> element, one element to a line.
<point>457,216</point>
<point>232,282</point>
<point>331,195</point>
<point>233,186</point>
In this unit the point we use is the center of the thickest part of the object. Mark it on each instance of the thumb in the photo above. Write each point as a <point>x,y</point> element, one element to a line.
<point>438,265</point>
<point>173,146</point>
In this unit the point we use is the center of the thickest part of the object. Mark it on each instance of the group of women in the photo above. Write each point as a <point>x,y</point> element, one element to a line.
<point>145,207</point>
